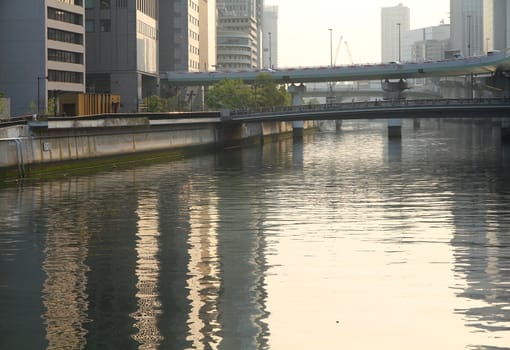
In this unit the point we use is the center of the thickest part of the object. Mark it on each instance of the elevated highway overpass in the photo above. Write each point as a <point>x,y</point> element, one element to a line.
<point>481,65</point>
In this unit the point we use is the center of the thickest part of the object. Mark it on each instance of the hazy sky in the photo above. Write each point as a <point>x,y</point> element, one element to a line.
<point>304,38</point>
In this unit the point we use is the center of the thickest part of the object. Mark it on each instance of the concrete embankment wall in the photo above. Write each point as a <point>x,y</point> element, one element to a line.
<point>39,143</point>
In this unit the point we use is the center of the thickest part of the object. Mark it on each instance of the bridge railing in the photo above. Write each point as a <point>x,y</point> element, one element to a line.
<point>367,104</point>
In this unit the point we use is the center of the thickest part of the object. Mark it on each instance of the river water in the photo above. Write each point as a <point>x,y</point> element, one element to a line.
<point>342,241</point>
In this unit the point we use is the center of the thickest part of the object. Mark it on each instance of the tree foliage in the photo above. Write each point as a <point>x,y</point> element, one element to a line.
<point>235,94</point>
<point>156,104</point>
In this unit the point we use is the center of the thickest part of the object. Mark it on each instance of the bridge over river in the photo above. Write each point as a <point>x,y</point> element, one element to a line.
<point>497,62</point>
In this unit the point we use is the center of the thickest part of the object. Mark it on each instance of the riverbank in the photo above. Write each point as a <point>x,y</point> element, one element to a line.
<point>61,145</point>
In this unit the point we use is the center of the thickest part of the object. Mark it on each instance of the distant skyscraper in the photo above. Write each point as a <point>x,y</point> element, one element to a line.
<point>395,23</point>
<point>270,37</point>
<point>183,35</point>
<point>41,51</point>
<point>239,34</point>
<point>496,24</point>
<point>467,19</point>
<point>427,44</point>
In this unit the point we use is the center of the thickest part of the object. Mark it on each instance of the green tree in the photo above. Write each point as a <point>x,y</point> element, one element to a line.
<point>235,94</point>
<point>156,104</point>
<point>268,94</point>
<point>231,94</point>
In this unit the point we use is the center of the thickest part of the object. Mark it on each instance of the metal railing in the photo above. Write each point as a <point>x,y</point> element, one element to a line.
<point>378,104</point>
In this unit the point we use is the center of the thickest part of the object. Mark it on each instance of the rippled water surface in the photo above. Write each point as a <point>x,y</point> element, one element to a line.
<point>344,241</point>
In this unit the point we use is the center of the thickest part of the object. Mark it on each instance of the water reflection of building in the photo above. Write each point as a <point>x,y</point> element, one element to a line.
<point>147,273</point>
<point>242,248</point>
<point>112,261</point>
<point>480,245</point>
<point>64,290</point>
<point>204,282</point>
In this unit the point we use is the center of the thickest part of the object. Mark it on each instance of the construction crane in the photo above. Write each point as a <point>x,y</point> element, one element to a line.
<point>348,52</point>
<point>338,46</point>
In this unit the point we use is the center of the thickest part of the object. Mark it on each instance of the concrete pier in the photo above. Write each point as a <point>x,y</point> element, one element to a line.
<point>394,128</point>
<point>297,92</point>
<point>505,131</point>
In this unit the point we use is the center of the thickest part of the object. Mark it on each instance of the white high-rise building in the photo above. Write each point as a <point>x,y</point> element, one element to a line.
<point>395,23</point>
<point>239,32</point>
<point>270,36</point>
<point>42,52</point>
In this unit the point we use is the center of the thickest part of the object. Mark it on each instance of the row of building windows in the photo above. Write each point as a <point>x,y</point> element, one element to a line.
<point>105,26</point>
<point>194,50</point>
<point>194,35</point>
<point>65,76</point>
<point>193,5</point>
<point>193,20</point>
<point>65,16</point>
<point>65,56</point>
<point>147,30</point>
<point>103,4</point>
<point>73,2</point>
<point>65,36</point>
<point>148,7</point>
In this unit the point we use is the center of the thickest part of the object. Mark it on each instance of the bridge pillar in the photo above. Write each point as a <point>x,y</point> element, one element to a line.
<point>393,89</point>
<point>394,128</point>
<point>505,131</point>
<point>297,93</point>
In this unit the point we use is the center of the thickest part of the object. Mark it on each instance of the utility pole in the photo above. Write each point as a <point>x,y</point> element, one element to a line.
<point>469,35</point>
<point>270,64</point>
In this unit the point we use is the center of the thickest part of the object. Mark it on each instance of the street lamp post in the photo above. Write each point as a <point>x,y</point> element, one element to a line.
<point>270,64</point>
<point>399,44</point>
<point>331,47</point>
<point>469,35</point>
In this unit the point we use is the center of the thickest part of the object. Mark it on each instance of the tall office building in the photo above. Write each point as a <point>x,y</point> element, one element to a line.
<point>239,32</point>
<point>270,37</point>
<point>427,44</point>
<point>122,49</point>
<point>467,20</point>
<point>395,23</point>
<point>185,38</point>
<point>496,24</point>
<point>41,52</point>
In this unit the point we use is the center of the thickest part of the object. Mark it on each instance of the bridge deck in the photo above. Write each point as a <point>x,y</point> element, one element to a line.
<point>436,108</point>
<point>454,67</point>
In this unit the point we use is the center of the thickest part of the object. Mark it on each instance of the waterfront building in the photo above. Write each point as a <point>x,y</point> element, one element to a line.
<point>122,49</point>
<point>395,23</point>
<point>270,36</point>
<point>184,35</point>
<point>239,32</point>
<point>42,52</point>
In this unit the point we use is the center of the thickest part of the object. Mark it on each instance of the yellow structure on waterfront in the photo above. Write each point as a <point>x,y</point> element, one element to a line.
<point>79,104</point>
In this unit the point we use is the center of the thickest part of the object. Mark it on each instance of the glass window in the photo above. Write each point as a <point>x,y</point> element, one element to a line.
<point>105,4</point>
<point>89,4</point>
<point>90,26</point>
<point>105,25</point>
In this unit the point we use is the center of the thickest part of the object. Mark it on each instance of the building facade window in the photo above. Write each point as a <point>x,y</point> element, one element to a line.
<point>90,4</point>
<point>105,25</point>
<point>90,26</point>
<point>105,4</point>
<point>73,2</point>
<point>65,16</point>
<point>65,56</point>
<point>65,36</point>
<point>65,76</point>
